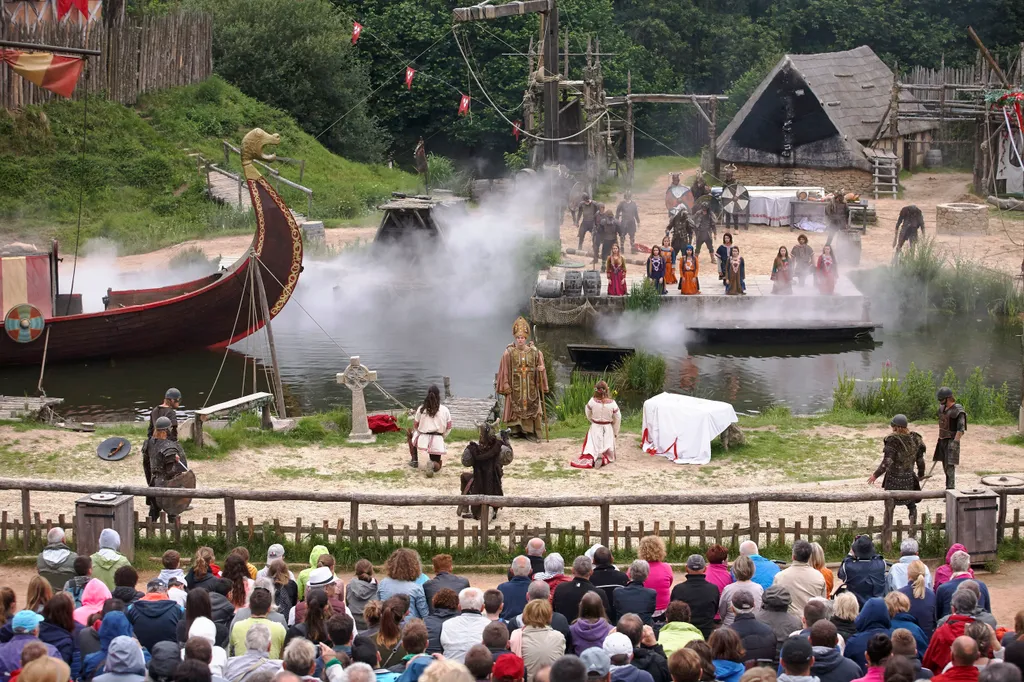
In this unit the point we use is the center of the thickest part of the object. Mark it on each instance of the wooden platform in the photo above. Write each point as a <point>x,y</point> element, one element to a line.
<point>469,413</point>
<point>21,408</point>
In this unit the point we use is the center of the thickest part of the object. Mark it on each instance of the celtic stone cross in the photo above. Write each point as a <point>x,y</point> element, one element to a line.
<point>356,377</point>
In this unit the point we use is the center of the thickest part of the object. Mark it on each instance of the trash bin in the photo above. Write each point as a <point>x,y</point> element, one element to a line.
<point>98,511</point>
<point>971,517</point>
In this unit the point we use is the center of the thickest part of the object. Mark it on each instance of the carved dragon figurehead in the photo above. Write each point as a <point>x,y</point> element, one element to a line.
<point>252,148</point>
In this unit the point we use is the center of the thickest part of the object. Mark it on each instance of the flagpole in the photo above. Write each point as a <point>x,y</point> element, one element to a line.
<point>80,51</point>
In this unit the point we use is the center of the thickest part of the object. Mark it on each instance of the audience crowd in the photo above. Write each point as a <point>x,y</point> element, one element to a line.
<point>84,620</point>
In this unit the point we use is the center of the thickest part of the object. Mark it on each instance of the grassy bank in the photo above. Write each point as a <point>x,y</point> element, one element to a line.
<point>648,172</point>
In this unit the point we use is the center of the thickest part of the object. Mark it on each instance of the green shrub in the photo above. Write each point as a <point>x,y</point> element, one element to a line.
<point>984,404</point>
<point>641,373</point>
<point>643,297</point>
<point>843,393</point>
<point>578,392</point>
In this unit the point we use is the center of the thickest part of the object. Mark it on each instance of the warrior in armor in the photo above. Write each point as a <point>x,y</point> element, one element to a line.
<point>699,188</point>
<point>902,452</point>
<point>162,460</point>
<point>911,220</point>
<point>628,216</point>
<point>704,227</point>
<point>523,380</point>
<point>732,184</point>
<point>836,215</point>
<point>488,457</point>
<point>607,234</point>
<point>674,195</point>
<point>680,226</point>
<point>586,219</point>
<point>952,424</point>
<point>169,409</point>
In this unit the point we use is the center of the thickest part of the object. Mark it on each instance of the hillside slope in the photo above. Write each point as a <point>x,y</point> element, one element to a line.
<point>141,189</point>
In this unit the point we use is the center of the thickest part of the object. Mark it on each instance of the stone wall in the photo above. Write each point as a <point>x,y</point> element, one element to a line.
<point>850,179</point>
<point>961,218</point>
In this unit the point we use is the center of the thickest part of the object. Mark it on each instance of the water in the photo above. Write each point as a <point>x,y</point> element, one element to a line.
<point>467,348</point>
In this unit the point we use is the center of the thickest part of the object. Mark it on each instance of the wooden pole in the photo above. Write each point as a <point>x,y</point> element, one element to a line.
<point>605,532</point>
<point>630,142</point>
<point>26,516</point>
<point>354,524</point>
<point>755,521</point>
<point>278,386</point>
<point>890,507</point>
<point>229,517</point>
<point>549,25</point>
<point>713,138</point>
<point>565,71</point>
<point>988,57</point>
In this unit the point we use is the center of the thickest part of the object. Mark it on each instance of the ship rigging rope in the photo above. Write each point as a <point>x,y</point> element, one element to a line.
<point>234,326</point>
<point>81,187</point>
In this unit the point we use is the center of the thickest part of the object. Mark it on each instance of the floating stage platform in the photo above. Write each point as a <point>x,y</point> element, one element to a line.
<point>805,316</point>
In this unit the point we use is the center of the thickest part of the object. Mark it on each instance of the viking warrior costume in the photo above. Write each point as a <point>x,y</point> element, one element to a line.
<point>680,226</point>
<point>902,452</point>
<point>488,457</point>
<point>523,380</point>
<point>836,215</point>
<point>162,460</point>
<point>911,220</point>
<point>628,215</point>
<point>674,195</point>
<point>952,421</point>
<point>607,233</point>
<point>172,395</point>
<point>586,218</point>
<point>732,185</point>
<point>704,227</point>
<point>699,188</point>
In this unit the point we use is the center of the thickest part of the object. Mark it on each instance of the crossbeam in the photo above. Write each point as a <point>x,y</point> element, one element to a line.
<point>509,9</point>
<point>666,98</point>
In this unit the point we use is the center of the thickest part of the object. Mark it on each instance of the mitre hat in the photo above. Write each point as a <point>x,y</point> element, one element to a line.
<point>521,328</point>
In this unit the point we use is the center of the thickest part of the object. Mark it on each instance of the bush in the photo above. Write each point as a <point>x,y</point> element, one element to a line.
<point>643,297</point>
<point>578,392</point>
<point>984,404</point>
<point>641,373</point>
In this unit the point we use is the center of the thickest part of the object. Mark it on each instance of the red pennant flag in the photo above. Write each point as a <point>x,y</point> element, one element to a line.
<point>64,6</point>
<point>56,73</point>
<point>357,29</point>
<point>464,105</point>
<point>516,129</point>
<point>409,73</point>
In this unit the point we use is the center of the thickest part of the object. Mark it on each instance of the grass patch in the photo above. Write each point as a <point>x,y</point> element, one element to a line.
<point>643,297</point>
<point>642,374</point>
<point>1014,439</point>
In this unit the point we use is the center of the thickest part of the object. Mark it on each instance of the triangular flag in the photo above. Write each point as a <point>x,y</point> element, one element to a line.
<point>464,105</point>
<point>409,73</point>
<point>516,129</point>
<point>83,7</point>
<point>64,6</point>
<point>357,29</point>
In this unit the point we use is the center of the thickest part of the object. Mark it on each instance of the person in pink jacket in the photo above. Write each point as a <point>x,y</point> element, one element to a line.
<point>652,550</point>
<point>944,573</point>
<point>718,567</point>
<point>93,596</point>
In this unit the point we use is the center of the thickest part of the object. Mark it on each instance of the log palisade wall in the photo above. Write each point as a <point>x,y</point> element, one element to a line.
<point>136,58</point>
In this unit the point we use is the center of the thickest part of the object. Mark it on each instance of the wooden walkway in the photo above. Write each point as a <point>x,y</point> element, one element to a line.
<point>19,408</point>
<point>469,413</point>
<point>224,189</point>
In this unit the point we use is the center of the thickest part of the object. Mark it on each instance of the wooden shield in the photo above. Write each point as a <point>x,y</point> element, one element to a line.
<point>174,506</point>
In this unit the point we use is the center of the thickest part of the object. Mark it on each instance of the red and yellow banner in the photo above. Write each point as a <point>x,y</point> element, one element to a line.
<point>56,73</point>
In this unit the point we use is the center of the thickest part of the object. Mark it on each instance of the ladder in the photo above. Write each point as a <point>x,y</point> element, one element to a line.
<point>886,174</point>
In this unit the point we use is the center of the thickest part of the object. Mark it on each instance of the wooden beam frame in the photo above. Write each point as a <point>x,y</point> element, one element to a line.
<point>509,9</point>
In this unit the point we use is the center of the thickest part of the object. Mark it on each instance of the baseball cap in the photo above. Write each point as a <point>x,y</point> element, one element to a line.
<point>695,562</point>
<point>743,601</point>
<point>597,660</point>
<point>26,621</point>
<point>275,551</point>
<point>617,644</point>
<point>508,665</point>
<point>797,651</point>
<point>156,584</point>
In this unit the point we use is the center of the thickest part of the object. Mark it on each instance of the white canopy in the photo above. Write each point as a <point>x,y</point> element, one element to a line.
<point>680,427</point>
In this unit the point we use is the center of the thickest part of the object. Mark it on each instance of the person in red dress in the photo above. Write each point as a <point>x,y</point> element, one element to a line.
<point>782,274</point>
<point>827,272</point>
<point>615,270</point>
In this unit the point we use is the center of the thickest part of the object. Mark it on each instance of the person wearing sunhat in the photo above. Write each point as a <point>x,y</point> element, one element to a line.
<point>797,658</point>
<point>902,450</point>
<point>25,626</point>
<point>321,578</point>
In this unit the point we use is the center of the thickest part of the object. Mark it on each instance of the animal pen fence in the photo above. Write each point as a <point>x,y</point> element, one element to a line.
<point>29,529</point>
<point>135,58</point>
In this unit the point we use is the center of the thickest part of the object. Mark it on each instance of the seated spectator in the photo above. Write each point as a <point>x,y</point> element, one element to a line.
<point>700,595</point>
<point>904,644</point>
<point>108,558</point>
<point>567,597</point>
<point>938,654</point>
<point>300,659</point>
<point>1000,673</point>
<point>757,638</point>
<point>818,564</point>
<point>274,552</point>
<point>776,615</point>
<point>540,590</point>
<point>56,563</point>
<point>764,569</point>
<point>164,662</point>
<point>361,590</point>
<point>314,626</point>
<point>38,593</point>
<point>495,638</point>
<point>759,675</point>
<point>1018,630</point>
<point>443,578</point>
<point>59,629</point>
<point>199,649</point>
<point>341,631</point>
<point>494,604</point>
<point>126,579</point>
<point>171,562</point>
<point>647,653</point>
<point>204,571</point>
<point>403,569</point>
<point>8,604</point>
<point>964,655</point>
<point>900,617</point>
<point>462,632</point>
<point>873,620</point>
<point>620,653</point>
<point>814,610</point>
<point>898,669</point>
<point>801,580</point>
<point>244,553</point>
<point>607,576</point>
<point>236,575</point>
<point>124,662</point>
<point>897,578</point>
<point>598,664</point>
<point>829,663</point>
<point>985,637</point>
<point>508,668</point>
<point>203,629</point>
<point>707,663</point>
<point>944,572</point>
<point>43,669</point>
<point>414,643</point>
<point>388,638</point>
<point>536,642</point>
<point>635,597</point>
<point>444,607</point>
<point>863,571</point>
<point>659,574</point>
<point>259,606</point>
<point>513,591</point>
<point>845,609</point>
<point>114,624</point>
<point>684,665</point>
<point>33,651</point>
<point>25,628</point>
<point>75,585</point>
<point>960,564</point>
<point>591,626</point>
<point>878,652</point>
<point>256,657</point>
<point>88,639</point>
<point>727,655</point>
<point>303,578</point>
<point>155,617</point>
<point>286,590</point>
<point>743,570</point>
<point>553,573</point>
<point>677,630</point>
<point>797,659</point>
<point>198,605</point>
<point>535,553</point>
<point>979,613</point>
<point>718,573</point>
<point>479,663</point>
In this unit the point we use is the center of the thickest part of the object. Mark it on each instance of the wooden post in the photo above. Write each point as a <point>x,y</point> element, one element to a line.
<point>278,387</point>
<point>354,524</point>
<point>890,506</point>
<point>229,516</point>
<point>549,25</point>
<point>485,518</point>
<point>755,521</point>
<point>713,138</point>
<point>26,517</point>
<point>605,535</point>
<point>1001,523</point>
<point>630,146</point>
<point>566,65</point>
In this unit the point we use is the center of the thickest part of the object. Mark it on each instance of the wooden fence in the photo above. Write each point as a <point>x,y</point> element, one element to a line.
<point>136,58</point>
<point>30,528</point>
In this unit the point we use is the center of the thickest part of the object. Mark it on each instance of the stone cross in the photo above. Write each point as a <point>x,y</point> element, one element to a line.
<point>357,376</point>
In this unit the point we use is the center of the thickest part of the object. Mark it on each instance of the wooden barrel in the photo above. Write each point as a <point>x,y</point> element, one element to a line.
<point>548,288</point>
<point>591,283</point>
<point>573,283</point>
<point>933,158</point>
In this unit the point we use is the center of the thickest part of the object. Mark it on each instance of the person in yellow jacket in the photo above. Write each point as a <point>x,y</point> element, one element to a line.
<point>677,631</point>
<point>303,579</point>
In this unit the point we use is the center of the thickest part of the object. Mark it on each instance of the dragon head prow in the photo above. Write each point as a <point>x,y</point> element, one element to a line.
<point>252,148</point>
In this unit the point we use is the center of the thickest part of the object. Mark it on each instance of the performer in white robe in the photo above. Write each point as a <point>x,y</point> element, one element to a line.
<point>605,419</point>
<point>430,431</point>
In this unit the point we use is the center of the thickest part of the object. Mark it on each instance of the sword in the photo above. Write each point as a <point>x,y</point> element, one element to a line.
<point>929,474</point>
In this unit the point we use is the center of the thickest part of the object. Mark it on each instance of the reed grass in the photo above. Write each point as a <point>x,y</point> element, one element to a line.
<point>641,374</point>
<point>572,401</point>
<point>643,297</point>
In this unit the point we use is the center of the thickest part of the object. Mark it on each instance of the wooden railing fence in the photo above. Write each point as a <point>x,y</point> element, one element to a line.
<point>30,527</point>
<point>136,58</point>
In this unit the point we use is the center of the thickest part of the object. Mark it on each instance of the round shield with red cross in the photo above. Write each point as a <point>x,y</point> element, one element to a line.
<point>24,323</point>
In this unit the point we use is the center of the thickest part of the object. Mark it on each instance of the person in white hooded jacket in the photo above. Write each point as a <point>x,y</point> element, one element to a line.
<point>204,628</point>
<point>56,562</point>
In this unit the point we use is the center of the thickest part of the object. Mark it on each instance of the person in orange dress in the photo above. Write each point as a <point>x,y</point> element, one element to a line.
<point>670,260</point>
<point>689,284</point>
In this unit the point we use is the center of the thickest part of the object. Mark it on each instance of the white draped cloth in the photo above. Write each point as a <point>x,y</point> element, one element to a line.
<point>681,427</point>
<point>599,445</point>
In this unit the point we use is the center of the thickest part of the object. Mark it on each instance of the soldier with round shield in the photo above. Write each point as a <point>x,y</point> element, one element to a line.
<point>903,451</point>
<point>163,459</point>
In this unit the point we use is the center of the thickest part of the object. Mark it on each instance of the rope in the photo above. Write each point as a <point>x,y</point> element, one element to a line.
<point>224,359</point>
<point>81,189</point>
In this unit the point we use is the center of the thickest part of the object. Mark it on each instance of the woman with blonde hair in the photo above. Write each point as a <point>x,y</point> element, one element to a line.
<point>845,610</point>
<point>743,568</point>
<point>443,670</point>
<point>922,598</point>
<point>39,592</point>
<point>537,643</point>
<point>652,550</point>
<point>203,572</point>
<point>403,568</point>
<point>900,617</point>
<point>818,563</point>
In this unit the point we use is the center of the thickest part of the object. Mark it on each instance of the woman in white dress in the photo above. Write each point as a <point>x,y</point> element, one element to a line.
<point>432,423</point>
<point>605,418</point>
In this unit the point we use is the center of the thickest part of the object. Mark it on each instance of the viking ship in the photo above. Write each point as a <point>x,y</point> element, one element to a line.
<point>41,325</point>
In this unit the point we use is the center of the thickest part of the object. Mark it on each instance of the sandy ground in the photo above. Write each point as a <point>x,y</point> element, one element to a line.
<point>760,243</point>
<point>827,459</point>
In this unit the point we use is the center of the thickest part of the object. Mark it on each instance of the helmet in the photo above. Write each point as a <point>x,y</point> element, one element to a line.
<point>943,393</point>
<point>173,394</point>
<point>899,420</point>
<point>162,424</point>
